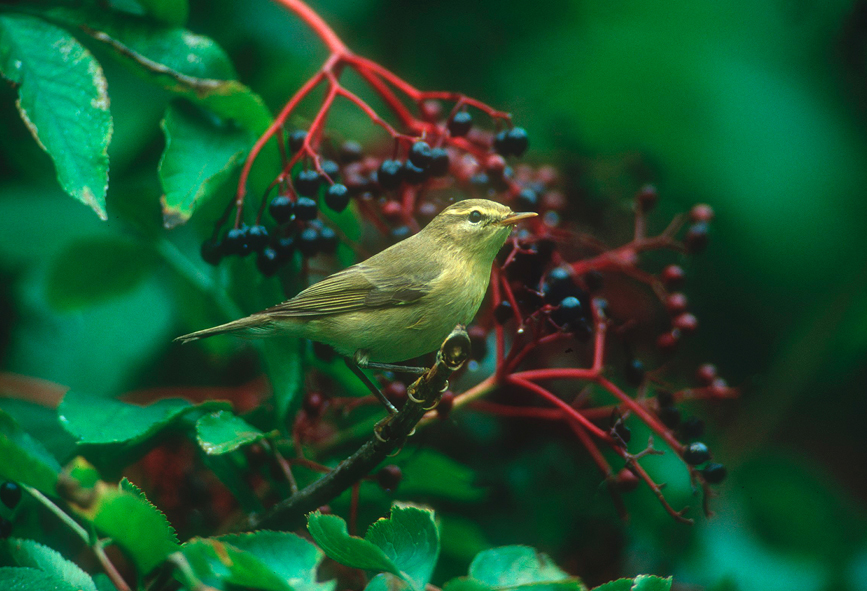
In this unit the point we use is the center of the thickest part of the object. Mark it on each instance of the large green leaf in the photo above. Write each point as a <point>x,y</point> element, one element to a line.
<point>94,270</point>
<point>28,553</point>
<point>31,579</point>
<point>221,432</point>
<point>217,563</point>
<point>511,567</point>
<point>201,152</point>
<point>329,532</point>
<point>291,557</point>
<point>284,363</point>
<point>62,98</point>
<point>23,459</point>
<point>428,472</point>
<point>410,538</point>
<point>171,12</point>
<point>640,583</point>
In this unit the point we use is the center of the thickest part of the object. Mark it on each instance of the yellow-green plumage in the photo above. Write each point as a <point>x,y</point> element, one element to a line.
<point>401,302</point>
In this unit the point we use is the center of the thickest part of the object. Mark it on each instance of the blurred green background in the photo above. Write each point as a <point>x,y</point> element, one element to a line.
<point>757,108</point>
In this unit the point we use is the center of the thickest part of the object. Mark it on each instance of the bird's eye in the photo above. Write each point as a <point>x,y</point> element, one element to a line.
<point>475,216</point>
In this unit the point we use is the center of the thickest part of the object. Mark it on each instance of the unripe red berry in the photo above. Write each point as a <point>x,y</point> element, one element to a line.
<point>626,480</point>
<point>668,341</point>
<point>395,391</point>
<point>389,477</point>
<point>647,197</point>
<point>701,213</point>
<point>495,165</point>
<point>431,111</point>
<point>447,402</point>
<point>392,210</point>
<point>478,342</point>
<point>706,374</point>
<point>676,303</point>
<point>673,276</point>
<point>686,323</point>
<point>314,403</point>
<point>719,386</point>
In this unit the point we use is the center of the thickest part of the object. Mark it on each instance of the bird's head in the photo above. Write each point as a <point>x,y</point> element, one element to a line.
<point>478,227</point>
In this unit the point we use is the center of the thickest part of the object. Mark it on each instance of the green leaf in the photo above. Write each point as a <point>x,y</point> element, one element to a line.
<point>428,472</point>
<point>23,459</point>
<point>651,583</point>
<point>386,582</point>
<point>284,364</point>
<point>171,12</point>
<point>329,532</point>
<point>95,270</point>
<point>62,98</point>
<point>466,584</point>
<point>618,585</point>
<point>291,557</point>
<point>410,538</point>
<point>125,515</point>
<point>31,579</point>
<point>28,553</point>
<point>221,432</point>
<point>201,152</point>
<point>215,563</point>
<point>511,567</point>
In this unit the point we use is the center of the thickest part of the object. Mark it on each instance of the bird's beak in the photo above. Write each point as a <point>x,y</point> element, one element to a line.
<point>515,217</point>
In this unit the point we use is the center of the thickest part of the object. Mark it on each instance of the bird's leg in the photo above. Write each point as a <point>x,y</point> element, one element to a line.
<point>394,367</point>
<point>354,366</point>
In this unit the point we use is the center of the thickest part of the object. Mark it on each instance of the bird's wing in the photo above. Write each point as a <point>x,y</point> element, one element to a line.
<point>355,288</point>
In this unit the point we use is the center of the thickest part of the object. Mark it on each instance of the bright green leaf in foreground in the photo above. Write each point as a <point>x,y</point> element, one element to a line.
<point>62,98</point>
<point>410,538</point>
<point>201,151</point>
<point>23,459</point>
<point>171,12</point>
<point>28,553</point>
<point>329,532</point>
<point>640,583</point>
<point>217,563</point>
<point>511,567</point>
<point>31,579</point>
<point>221,432</point>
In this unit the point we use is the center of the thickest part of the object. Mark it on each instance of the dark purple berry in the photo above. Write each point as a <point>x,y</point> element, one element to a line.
<point>696,237</point>
<point>478,342</point>
<point>439,164</point>
<point>257,237</point>
<point>5,528</point>
<point>285,247</point>
<point>647,197</point>
<point>389,477</point>
<point>503,312</point>
<point>692,428</point>
<point>390,174</point>
<point>307,182</point>
<point>235,241</point>
<point>212,251</point>
<point>10,494</point>
<point>331,169</point>
<point>282,209</point>
<point>324,352</point>
<point>560,284</point>
<point>670,416</point>
<point>460,124</point>
<point>337,197</point>
<point>500,144</point>
<point>582,329</point>
<point>413,174</point>
<point>714,473</point>
<point>296,139</point>
<point>696,453</point>
<point>306,209</point>
<point>399,233</point>
<point>268,261</point>
<point>527,200</point>
<point>634,373</point>
<point>308,242</point>
<point>420,154</point>
<point>479,179</point>
<point>568,312</point>
<point>327,240</point>
<point>593,280</point>
<point>351,151</point>
<point>517,141</point>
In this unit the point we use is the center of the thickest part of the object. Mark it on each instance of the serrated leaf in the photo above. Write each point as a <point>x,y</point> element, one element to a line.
<point>617,585</point>
<point>329,532</point>
<point>386,582</point>
<point>187,64</point>
<point>28,553</point>
<point>221,432</point>
<point>651,583</point>
<point>62,98</point>
<point>100,421</point>
<point>25,460</point>
<point>410,538</point>
<point>171,12</point>
<point>31,579</point>
<point>201,152</point>
<point>512,567</point>
<point>125,515</point>
<point>216,563</point>
<point>95,270</point>
<point>291,557</point>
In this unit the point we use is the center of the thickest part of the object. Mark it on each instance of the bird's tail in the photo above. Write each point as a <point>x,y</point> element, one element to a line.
<point>251,326</point>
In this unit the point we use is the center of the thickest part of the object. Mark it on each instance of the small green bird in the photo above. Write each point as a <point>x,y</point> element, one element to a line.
<point>402,302</point>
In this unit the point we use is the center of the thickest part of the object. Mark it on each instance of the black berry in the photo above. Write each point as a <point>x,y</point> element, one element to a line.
<point>337,197</point>
<point>527,200</point>
<point>351,151</point>
<point>390,174</point>
<point>517,141</point>
<point>420,154</point>
<point>478,342</point>
<point>670,416</point>
<point>282,209</point>
<point>593,280</point>
<point>413,174</point>
<point>500,144</point>
<point>568,312</point>
<point>460,124</point>
<point>389,477</point>
<point>306,209</point>
<point>268,261</point>
<point>327,241</point>
<point>296,139</point>
<point>480,179</point>
<point>331,169</point>
<point>439,164</point>
<point>696,453</point>
<point>257,237</point>
<point>503,312</point>
<point>634,372</point>
<point>308,242</point>
<point>285,248</point>
<point>307,182</point>
<point>692,428</point>
<point>10,494</point>
<point>212,251</point>
<point>235,241</point>
<point>647,197</point>
<point>714,473</point>
<point>696,237</point>
<point>399,233</point>
<point>560,284</point>
<point>5,528</point>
